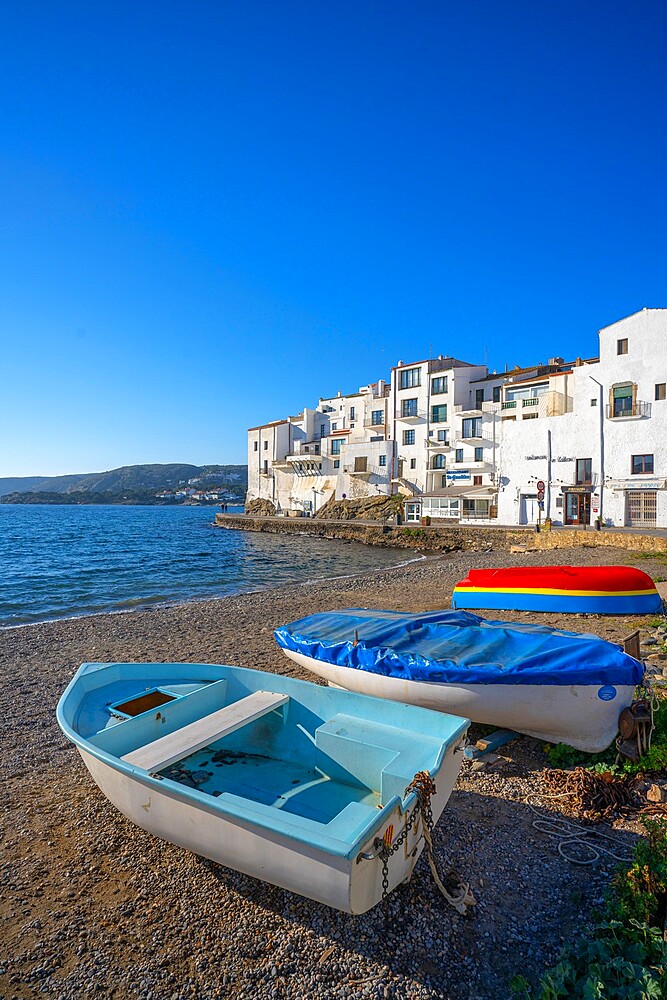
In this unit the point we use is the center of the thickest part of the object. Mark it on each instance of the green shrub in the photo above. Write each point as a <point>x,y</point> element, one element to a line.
<point>655,761</point>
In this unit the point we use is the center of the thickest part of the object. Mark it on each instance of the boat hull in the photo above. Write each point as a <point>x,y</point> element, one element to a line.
<point>284,780</point>
<point>595,590</point>
<point>583,716</point>
<point>343,883</point>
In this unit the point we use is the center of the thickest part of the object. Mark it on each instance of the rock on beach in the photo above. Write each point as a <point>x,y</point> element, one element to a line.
<point>92,905</point>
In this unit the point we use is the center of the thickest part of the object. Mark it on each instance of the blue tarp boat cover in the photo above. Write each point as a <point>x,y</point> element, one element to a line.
<point>457,647</point>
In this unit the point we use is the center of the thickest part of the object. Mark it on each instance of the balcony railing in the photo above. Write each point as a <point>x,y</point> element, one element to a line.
<point>413,416</point>
<point>636,409</point>
<point>547,404</point>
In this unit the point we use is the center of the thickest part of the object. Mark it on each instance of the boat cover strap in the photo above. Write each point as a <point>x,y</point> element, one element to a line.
<point>457,647</point>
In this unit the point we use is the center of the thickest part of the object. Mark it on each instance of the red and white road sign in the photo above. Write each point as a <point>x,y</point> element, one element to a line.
<point>540,485</point>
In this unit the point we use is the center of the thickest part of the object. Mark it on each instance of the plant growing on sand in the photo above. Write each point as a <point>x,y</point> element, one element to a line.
<point>625,958</point>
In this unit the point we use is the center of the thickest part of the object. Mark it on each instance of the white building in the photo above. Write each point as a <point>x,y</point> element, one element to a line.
<point>593,433</point>
<point>340,447</point>
<point>571,442</point>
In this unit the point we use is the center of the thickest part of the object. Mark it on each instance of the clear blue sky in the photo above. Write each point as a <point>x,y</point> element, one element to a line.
<point>214,212</point>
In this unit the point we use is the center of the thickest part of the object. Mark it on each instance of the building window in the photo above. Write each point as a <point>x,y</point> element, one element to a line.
<point>479,454</point>
<point>266,466</point>
<point>383,459</point>
<point>622,400</point>
<point>496,394</point>
<point>458,455</point>
<point>472,427</point>
<point>377,417</point>
<point>413,463</point>
<point>584,471</point>
<point>642,464</point>
<point>334,426</point>
<point>336,463</point>
<point>409,437</point>
<point>660,388</point>
<point>622,346</point>
<point>442,436</point>
<point>323,431</point>
<point>594,402</point>
<point>352,417</point>
<point>409,378</point>
<point>443,481</point>
<point>477,480</point>
<point>439,414</point>
<point>409,408</point>
<point>479,398</point>
<point>255,445</point>
<point>335,446</point>
<point>266,446</point>
<point>438,385</point>
<point>438,461</point>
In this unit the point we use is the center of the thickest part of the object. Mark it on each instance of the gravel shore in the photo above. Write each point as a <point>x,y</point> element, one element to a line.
<point>91,904</point>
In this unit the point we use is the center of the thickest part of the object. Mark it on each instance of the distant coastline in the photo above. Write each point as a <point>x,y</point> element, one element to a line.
<point>127,499</point>
<point>172,485</point>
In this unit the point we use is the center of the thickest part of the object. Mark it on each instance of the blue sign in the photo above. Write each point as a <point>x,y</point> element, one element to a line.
<point>540,504</point>
<point>458,475</point>
<point>607,693</point>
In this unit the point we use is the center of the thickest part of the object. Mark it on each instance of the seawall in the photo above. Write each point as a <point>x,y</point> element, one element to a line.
<point>445,538</point>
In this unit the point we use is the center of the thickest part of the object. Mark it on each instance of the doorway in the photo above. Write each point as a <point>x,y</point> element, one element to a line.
<point>641,509</point>
<point>529,509</point>
<point>577,508</point>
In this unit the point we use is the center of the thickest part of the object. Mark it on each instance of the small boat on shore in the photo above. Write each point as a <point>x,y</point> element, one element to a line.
<point>294,783</point>
<point>599,590</point>
<point>562,687</point>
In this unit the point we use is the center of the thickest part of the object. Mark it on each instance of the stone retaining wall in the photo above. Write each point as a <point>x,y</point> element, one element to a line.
<point>447,538</point>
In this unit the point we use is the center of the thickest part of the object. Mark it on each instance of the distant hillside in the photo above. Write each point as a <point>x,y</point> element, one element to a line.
<point>132,478</point>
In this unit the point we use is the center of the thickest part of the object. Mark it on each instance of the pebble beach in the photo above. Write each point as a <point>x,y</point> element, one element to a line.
<point>92,905</point>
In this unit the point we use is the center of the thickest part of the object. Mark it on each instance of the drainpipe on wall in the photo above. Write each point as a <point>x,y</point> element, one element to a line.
<point>601,427</point>
<point>548,482</point>
<point>394,450</point>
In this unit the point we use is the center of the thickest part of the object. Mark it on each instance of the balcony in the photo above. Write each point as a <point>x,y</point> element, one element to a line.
<point>546,404</point>
<point>372,424</point>
<point>433,445</point>
<point>370,470</point>
<point>468,411</point>
<point>413,417</point>
<point>635,411</point>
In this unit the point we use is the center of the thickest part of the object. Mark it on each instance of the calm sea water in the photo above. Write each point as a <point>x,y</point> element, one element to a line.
<point>61,561</point>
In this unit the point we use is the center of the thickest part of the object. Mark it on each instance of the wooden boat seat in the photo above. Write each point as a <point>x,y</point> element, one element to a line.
<point>188,739</point>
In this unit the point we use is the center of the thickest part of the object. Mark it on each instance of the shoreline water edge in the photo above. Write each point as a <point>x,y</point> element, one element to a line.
<point>92,903</point>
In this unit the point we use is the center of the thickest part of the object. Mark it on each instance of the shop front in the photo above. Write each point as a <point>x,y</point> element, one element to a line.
<point>577,506</point>
<point>639,500</point>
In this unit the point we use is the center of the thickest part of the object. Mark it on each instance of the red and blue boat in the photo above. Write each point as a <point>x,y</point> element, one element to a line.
<point>598,590</point>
